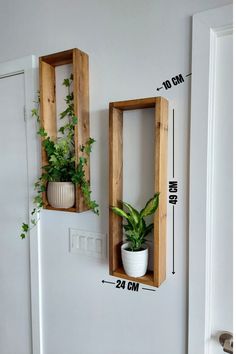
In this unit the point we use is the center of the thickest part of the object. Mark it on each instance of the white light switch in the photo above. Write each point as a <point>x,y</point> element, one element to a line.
<point>82,242</point>
<point>89,243</point>
<point>98,247</point>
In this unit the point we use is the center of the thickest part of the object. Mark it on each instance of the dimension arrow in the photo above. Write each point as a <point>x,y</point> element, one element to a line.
<point>173,271</point>
<point>108,282</point>
<point>173,231</point>
<point>173,142</point>
<point>159,88</point>
<point>148,289</point>
<point>188,75</point>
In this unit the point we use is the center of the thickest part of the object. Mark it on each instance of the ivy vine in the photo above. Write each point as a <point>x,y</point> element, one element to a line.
<point>62,165</point>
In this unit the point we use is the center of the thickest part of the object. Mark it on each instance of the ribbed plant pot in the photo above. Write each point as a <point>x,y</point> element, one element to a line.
<point>61,194</point>
<point>134,263</point>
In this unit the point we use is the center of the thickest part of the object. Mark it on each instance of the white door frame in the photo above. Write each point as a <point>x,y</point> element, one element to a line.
<point>207,26</point>
<point>28,67</point>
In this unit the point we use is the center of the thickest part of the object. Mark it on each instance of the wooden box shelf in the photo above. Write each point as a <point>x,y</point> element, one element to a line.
<point>47,79</point>
<point>158,275</point>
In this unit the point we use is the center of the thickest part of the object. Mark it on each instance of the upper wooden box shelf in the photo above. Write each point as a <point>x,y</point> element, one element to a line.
<point>158,275</point>
<point>47,79</point>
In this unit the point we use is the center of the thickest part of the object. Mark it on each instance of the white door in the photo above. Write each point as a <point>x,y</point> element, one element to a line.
<point>14,253</point>
<point>18,258</point>
<point>211,182</point>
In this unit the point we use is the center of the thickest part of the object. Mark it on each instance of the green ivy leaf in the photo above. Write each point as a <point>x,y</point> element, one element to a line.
<point>62,130</point>
<point>34,112</point>
<point>74,120</point>
<point>62,164</point>
<point>25,227</point>
<point>66,82</point>
<point>33,211</point>
<point>42,132</point>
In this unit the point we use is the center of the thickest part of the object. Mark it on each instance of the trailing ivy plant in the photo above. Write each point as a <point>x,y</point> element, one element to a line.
<point>136,229</point>
<point>62,165</point>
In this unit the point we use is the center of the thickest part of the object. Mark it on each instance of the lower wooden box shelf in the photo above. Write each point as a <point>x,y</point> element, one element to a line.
<point>49,207</point>
<point>147,279</point>
<point>160,106</point>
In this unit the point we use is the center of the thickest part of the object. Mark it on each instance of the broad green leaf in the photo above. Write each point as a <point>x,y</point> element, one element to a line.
<point>53,159</point>
<point>141,227</point>
<point>120,212</point>
<point>148,229</point>
<point>133,212</point>
<point>151,206</point>
<point>127,227</point>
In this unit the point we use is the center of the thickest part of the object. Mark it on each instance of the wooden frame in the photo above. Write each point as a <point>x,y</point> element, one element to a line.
<point>80,64</point>
<point>160,104</point>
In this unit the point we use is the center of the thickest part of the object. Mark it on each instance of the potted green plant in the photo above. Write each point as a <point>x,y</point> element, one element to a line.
<point>62,173</point>
<point>134,252</point>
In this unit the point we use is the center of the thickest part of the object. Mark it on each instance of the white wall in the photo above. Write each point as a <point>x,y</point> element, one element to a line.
<point>133,46</point>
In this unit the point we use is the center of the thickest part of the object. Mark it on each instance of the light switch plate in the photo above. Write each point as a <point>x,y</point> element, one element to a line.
<point>88,243</point>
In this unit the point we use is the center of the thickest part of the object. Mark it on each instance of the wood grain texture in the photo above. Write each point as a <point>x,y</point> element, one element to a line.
<point>48,99</point>
<point>47,77</point>
<point>161,156</point>
<point>47,107</point>
<point>147,279</point>
<point>57,59</point>
<point>140,103</point>
<point>116,109</point>
<point>81,107</point>
<point>49,207</point>
<point>115,185</point>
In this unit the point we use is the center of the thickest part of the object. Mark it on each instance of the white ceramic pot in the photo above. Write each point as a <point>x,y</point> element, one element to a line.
<point>135,263</point>
<point>61,194</point>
